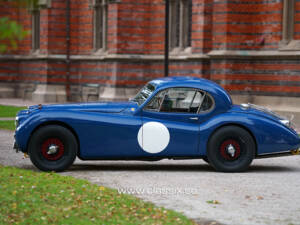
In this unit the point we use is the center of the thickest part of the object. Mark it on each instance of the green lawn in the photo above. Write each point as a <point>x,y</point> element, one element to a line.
<point>7,124</point>
<point>47,198</point>
<point>9,111</point>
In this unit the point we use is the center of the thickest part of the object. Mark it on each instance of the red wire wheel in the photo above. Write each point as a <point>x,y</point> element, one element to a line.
<point>230,149</point>
<point>57,145</point>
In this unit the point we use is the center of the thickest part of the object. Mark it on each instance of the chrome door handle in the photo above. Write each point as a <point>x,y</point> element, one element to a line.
<point>194,118</point>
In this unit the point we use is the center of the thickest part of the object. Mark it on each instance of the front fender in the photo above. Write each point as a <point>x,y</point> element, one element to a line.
<point>93,129</point>
<point>270,136</point>
<point>34,120</point>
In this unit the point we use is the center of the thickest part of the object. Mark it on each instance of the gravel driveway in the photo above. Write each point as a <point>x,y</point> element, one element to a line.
<point>269,193</point>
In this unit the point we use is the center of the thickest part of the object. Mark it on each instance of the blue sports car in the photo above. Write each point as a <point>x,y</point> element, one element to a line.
<point>173,118</point>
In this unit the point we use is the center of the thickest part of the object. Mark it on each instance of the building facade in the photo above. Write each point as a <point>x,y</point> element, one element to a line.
<point>106,49</point>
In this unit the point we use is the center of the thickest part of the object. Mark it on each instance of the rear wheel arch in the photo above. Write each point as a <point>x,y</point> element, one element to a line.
<point>58,123</point>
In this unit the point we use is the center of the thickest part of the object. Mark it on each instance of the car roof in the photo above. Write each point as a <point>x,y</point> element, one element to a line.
<point>180,80</point>
<point>219,94</point>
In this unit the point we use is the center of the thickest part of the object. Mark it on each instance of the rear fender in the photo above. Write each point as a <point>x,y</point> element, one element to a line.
<point>270,136</point>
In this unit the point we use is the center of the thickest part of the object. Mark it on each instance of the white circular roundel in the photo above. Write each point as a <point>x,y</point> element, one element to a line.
<point>153,137</point>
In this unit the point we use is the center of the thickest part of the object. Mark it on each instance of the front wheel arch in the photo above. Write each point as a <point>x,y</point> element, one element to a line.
<point>58,123</point>
<point>237,125</point>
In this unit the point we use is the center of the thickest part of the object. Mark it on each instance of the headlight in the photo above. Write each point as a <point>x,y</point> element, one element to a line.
<point>286,123</point>
<point>289,124</point>
<point>17,121</point>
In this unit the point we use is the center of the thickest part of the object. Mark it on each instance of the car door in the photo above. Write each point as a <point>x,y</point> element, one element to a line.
<point>171,123</point>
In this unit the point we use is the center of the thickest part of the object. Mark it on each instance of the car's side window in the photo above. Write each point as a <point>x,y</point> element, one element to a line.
<point>207,103</point>
<point>181,100</point>
<point>155,103</point>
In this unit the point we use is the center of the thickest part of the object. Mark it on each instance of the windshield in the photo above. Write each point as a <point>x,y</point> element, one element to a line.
<point>144,94</point>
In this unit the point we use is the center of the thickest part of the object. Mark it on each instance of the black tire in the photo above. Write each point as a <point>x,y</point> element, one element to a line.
<point>231,149</point>
<point>62,141</point>
<point>205,159</point>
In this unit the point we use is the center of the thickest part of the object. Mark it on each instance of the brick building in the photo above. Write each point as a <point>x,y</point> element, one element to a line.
<point>106,49</point>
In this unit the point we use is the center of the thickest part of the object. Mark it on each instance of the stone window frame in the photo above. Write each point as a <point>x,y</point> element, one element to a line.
<point>180,22</point>
<point>36,23</point>
<point>288,43</point>
<point>100,25</point>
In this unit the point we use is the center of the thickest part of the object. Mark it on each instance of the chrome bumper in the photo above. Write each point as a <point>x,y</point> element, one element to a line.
<point>16,147</point>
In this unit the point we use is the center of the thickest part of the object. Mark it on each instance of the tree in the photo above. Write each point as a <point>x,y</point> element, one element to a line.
<point>11,31</point>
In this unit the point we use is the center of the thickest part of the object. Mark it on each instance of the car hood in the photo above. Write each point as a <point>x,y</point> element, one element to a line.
<point>105,107</point>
